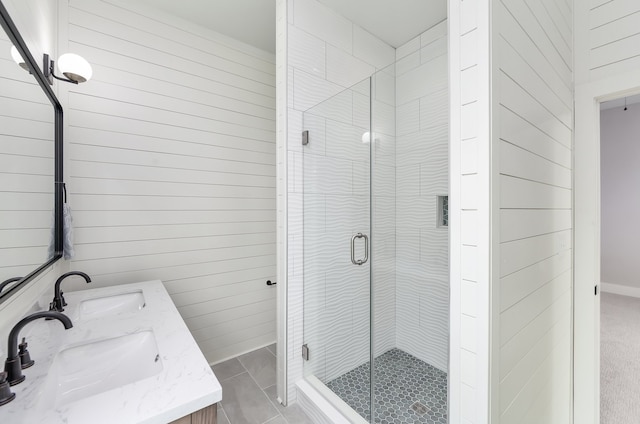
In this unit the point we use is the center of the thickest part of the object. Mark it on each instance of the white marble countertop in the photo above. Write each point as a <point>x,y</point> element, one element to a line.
<point>184,385</point>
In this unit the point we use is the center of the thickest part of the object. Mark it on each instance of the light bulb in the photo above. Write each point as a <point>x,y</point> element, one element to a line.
<point>17,57</point>
<point>366,137</point>
<point>75,67</point>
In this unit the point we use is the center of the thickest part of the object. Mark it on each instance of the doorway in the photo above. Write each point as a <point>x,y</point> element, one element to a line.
<point>620,270</point>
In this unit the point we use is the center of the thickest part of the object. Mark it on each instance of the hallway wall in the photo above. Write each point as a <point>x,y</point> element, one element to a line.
<point>620,200</point>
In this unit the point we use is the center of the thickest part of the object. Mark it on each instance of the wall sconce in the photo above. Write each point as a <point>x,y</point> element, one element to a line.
<point>17,57</point>
<point>75,68</point>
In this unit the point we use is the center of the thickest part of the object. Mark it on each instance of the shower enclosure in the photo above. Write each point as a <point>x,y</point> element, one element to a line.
<point>375,230</point>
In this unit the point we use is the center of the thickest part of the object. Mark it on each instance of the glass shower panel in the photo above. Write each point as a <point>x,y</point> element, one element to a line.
<point>410,268</point>
<point>336,210</point>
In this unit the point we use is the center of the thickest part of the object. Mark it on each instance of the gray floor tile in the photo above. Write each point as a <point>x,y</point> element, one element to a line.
<point>228,369</point>
<point>272,349</point>
<point>222,417</point>
<point>277,420</point>
<point>244,402</point>
<point>293,413</point>
<point>261,364</point>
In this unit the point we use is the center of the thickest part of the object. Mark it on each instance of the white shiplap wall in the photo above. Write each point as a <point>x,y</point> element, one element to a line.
<point>469,210</point>
<point>422,162</point>
<point>511,162</point>
<point>171,168</point>
<point>532,135</point>
<point>27,169</point>
<point>607,59</point>
<point>613,37</point>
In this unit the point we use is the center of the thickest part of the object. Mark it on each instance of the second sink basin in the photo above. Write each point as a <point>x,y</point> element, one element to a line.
<point>88,369</point>
<point>111,305</point>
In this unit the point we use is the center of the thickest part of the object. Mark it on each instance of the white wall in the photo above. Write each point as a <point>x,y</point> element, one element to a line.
<point>533,128</point>
<point>608,41</point>
<point>511,162</point>
<point>469,210</point>
<point>620,178</point>
<point>422,162</point>
<point>606,67</point>
<point>27,163</point>
<point>324,54</point>
<point>171,168</point>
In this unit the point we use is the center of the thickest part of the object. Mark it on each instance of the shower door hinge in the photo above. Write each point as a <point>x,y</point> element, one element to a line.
<point>305,138</point>
<point>305,352</point>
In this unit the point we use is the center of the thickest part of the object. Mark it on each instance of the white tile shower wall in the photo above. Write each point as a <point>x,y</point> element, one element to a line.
<point>383,189</point>
<point>422,161</point>
<point>325,54</point>
<point>171,158</point>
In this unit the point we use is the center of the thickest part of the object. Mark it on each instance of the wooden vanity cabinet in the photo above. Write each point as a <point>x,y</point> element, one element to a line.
<point>208,415</point>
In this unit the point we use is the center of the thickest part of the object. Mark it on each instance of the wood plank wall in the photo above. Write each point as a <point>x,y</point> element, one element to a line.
<point>171,168</point>
<point>533,131</point>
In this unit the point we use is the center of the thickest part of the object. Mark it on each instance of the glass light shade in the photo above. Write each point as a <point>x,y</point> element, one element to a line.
<point>75,67</point>
<point>17,57</point>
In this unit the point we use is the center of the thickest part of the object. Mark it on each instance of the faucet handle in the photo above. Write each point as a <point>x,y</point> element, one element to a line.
<point>6,395</point>
<point>25,357</point>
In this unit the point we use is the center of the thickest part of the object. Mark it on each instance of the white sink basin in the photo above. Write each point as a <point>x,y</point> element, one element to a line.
<point>111,305</point>
<point>88,369</point>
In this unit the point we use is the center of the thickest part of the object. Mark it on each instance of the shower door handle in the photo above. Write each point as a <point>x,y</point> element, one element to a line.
<point>353,249</point>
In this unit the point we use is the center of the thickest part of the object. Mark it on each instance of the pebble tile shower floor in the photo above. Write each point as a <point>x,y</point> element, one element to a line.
<point>408,390</point>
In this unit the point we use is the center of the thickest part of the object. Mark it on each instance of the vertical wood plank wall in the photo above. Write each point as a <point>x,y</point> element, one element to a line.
<point>171,168</point>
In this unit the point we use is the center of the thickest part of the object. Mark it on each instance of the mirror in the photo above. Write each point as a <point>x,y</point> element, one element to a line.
<point>30,166</point>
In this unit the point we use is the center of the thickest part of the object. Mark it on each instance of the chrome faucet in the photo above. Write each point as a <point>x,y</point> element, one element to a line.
<point>58,302</point>
<point>5,283</point>
<point>13,365</point>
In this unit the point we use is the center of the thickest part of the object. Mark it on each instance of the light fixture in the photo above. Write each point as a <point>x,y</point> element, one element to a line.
<point>366,137</point>
<point>17,57</point>
<point>75,68</point>
<point>625,103</point>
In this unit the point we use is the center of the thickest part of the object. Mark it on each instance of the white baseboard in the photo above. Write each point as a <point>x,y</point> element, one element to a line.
<point>620,289</point>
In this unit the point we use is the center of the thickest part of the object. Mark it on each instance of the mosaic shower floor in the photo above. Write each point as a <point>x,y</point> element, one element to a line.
<point>408,390</point>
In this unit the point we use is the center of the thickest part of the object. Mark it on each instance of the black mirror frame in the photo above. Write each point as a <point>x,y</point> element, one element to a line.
<point>14,35</point>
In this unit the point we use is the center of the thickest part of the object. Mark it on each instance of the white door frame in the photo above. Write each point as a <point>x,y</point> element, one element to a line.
<point>586,359</point>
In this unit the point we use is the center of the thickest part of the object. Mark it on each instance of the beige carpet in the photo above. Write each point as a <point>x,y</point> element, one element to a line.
<point>619,360</point>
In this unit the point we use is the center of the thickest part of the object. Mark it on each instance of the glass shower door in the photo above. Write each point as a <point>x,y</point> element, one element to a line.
<point>336,209</point>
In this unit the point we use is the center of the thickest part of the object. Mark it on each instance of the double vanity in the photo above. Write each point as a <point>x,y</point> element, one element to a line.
<point>129,358</point>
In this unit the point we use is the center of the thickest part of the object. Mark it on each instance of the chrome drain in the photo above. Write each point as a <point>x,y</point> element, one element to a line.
<point>419,408</point>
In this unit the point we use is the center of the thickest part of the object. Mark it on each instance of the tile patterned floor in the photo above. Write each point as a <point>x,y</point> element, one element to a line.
<point>408,390</point>
<point>249,391</point>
